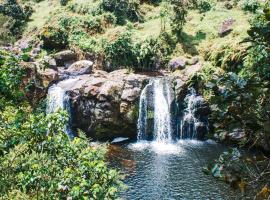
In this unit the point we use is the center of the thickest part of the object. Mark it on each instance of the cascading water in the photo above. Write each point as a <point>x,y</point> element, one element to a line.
<point>58,98</point>
<point>162,114</point>
<point>160,106</point>
<point>189,120</point>
<point>156,121</point>
<point>142,121</point>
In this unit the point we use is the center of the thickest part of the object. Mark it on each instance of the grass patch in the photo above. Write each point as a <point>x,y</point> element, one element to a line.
<point>42,13</point>
<point>201,30</point>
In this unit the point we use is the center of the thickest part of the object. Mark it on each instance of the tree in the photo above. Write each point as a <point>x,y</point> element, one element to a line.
<point>178,18</point>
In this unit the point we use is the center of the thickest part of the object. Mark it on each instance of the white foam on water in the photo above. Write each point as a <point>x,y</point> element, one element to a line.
<point>166,148</point>
<point>191,142</point>
<point>139,146</point>
<point>157,147</point>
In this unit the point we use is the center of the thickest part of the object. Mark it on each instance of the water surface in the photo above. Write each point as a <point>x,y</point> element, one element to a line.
<point>169,171</point>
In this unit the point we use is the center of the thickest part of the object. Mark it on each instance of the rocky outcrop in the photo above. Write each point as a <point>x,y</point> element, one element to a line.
<point>226,27</point>
<point>65,58</point>
<point>105,105</point>
<point>80,67</point>
<point>177,63</point>
<point>181,63</point>
<point>36,81</point>
<point>48,76</point>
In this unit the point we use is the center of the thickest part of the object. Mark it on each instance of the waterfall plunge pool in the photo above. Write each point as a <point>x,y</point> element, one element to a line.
<point>169,171</point>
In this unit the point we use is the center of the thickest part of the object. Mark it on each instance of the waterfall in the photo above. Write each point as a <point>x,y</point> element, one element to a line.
<point>58,98</point>
<point>160,105</point>
<point>189,120</point>
<point>162,114</point>
<point>142,121</point>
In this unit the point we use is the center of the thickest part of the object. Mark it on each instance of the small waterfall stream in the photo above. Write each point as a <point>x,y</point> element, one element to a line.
<point>143,114</point>
<point>156,99</point>
<point>156,105</point>
<point>189,120</point>
<point>162,114</point>
<point>58,98</point>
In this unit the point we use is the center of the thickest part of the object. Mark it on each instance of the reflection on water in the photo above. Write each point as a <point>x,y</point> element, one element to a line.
<point>169,171</point>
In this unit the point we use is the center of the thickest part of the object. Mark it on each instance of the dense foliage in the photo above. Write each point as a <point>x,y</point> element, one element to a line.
<point>37,158</point>
<point>237,78</point>
<point>122,9</point>
<point>259,36</point>
<point>11,75</point>
<point>146,55</point>
<point>178,18</point>
<point>14,16</point>
<point>39,161</point>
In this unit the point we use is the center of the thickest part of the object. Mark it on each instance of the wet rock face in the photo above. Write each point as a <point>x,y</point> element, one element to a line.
<point>105,105</point>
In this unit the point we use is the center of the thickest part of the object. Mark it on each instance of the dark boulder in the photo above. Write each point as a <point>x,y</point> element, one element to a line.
<point>226,27</point>
<point>201,130</point>
<point>64,58</point>
<point>177,64</point>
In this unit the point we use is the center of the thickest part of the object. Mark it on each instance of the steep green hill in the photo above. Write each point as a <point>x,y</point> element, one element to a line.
<point>199,33</point>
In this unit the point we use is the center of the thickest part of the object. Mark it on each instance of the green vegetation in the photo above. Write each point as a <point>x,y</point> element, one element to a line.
<point>13,17</point>
<point>11,75</point>
<point>235,82</point>
<point>237,77</point>
<point>37,158</point>
<point>94,27</point>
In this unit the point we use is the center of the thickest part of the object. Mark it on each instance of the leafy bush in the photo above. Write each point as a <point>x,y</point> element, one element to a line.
<point>11,75</point>
<point>235,101</point>
<point>149,54</point>
<point>250,5</point>
<point>19,15</point>
<point>6,24</point>
<point>122,9</point>
<point>203,6</point>
<point>93,25</point>
<point>54,37</point>
<point>178,18</point>
<point>259,36</point>
<point>40,161</point>
<point>154,2</point>
<point>64,2</point>
<point>108,19</point>
<point>120,52</point>
<point>13,9</point>
<point>228,57</point>
<point>76,31</point>
<point>82,40</point>
<point>84,8</point>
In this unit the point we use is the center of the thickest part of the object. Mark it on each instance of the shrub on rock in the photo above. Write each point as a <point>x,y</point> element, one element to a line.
<point>54,38</point>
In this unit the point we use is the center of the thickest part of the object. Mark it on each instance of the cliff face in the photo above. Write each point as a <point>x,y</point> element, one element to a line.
<point>105,105</point>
